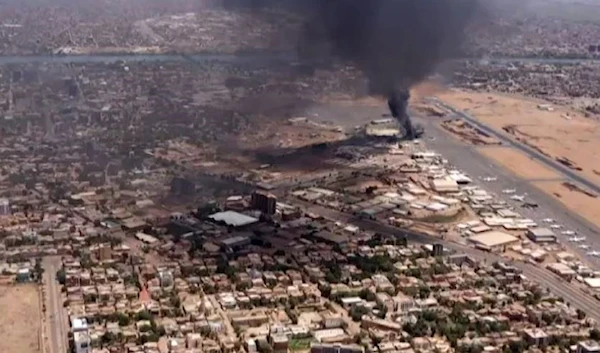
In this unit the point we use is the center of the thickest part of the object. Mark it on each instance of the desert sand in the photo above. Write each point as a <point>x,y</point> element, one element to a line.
<point>561,133</point>
<point>584,205</point>
<point>20,321</point>
<point>555,131</point>
<point>518,163</point>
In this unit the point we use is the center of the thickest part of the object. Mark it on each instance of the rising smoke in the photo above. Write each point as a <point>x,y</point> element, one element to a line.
<point>395,43</point>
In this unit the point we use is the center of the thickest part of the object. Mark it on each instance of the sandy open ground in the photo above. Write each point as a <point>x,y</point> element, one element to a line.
<point>20,318</point>
<point>573,137</point>
<point>561,133</point>
<point>518,163</point>
<point>586,206</point>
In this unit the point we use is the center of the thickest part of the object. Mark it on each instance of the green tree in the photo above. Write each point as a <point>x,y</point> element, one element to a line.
<point>123,319</point>
<point>381,310</point>
<point>38,270</point>
<point>293,317</point>
<point>595,334</point>
<point>357,312</point>
<point>108,338</point>
<point>367,295</point>
<point>61,276</point>
<point>175,301</point>
<point>144,315</point>
<point>402,241</point>
<point>517,347</point>
<point>325,291</point>
<point>160,330</point>
<point>242,286</point>
<point>424,291</point>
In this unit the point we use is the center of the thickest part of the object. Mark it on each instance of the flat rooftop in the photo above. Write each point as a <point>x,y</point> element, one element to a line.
<point>493,238</point>
<point>232,218</point>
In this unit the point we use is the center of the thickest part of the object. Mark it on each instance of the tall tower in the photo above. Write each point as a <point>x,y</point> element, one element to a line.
<point>49,125</point>
<point>4,207</point>
<point>10,100</point>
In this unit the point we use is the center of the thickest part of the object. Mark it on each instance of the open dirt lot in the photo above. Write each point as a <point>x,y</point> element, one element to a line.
<point>468,133</point>
<point>586,206</point>
<point>518,163</point>
<point>20,319</point>
<point>561,134</point>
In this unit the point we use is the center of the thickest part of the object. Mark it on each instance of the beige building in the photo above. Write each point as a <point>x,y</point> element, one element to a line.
<point>494,240</point>
<point>444,185</point>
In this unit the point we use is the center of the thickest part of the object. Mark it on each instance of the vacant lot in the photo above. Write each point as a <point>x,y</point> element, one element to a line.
<point>578,202</point>
<point>20,319</point>
<point>518,163</point>
<point>560,134</point>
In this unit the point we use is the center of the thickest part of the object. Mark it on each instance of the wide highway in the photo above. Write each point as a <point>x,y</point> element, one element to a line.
<point>56,317</point>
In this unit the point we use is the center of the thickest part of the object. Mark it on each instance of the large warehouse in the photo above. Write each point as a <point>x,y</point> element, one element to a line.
<point>494,240</point>
<point>541,235</point>
<point>233,219</point>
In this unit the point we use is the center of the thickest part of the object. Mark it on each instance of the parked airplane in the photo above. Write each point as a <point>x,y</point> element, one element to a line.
<point>548,220</point>
<point>593,253</point>
<point>490,179</point>
<point>584,246</point>
<point>555,226</point>
<point>517,197</point>
<point>576,239</point>
<point>509,191</point>
<point>568,232</point>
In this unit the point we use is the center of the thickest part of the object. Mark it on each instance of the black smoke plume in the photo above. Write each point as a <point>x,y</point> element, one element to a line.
<point>398,104</point>
<point>395,43</point>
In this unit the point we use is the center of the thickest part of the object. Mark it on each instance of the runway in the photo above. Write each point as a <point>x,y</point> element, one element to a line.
<point>467,159</point>
<point>549,162</point>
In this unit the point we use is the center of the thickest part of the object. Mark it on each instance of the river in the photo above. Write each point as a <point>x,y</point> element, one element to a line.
<point>111,58</point>
<point>233,58</point>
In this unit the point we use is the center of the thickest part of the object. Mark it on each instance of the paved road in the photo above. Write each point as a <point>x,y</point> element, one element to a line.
<point>56,317</point>
<point>576,297</point>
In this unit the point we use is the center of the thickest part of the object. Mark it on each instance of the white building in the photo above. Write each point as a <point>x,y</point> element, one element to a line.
<point>81,336</point>
<point>166,278</point>
<point>4,207</point>
<point>589,346</point>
